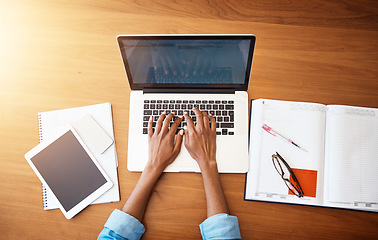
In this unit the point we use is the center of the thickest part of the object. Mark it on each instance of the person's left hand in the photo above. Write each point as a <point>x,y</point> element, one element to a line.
<point>163,146</point>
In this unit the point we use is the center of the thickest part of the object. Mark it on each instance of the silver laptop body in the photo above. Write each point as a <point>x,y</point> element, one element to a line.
<point>174,73</point>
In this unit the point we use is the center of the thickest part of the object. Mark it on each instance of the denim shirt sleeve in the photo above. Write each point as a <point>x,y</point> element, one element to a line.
<point>122,226</point>
<point>220,226</point>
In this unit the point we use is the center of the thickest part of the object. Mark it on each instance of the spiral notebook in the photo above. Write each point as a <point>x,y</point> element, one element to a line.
<point>52,122</point>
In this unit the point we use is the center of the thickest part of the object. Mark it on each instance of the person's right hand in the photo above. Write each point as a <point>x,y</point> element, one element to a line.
<point>200,140</point>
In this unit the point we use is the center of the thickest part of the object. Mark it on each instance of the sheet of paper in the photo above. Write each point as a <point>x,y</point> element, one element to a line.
<point>304,123</point>
<point>351,166</point>
<point>308,181</point>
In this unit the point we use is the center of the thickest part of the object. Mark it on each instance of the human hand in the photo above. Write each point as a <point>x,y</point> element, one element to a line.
<point>163,147</point>
<point>200,140</point>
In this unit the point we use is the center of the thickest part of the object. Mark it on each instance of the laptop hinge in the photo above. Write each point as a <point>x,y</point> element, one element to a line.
<point>190,90</point>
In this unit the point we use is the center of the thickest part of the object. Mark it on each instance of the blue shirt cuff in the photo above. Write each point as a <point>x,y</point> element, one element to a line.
<point>220,226</point>
<point>125,225</point>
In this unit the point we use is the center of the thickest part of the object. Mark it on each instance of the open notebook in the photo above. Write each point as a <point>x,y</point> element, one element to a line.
<point>51,123</point>
<point>338,167</point>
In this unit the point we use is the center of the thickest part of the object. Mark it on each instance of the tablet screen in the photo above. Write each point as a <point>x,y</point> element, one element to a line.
<point>68,170</point>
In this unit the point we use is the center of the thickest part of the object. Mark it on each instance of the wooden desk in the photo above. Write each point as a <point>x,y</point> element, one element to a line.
<point>58,54</point>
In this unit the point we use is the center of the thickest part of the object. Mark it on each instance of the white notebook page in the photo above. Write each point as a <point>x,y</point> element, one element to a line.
<point>304,123</point>
<point>352,157</point>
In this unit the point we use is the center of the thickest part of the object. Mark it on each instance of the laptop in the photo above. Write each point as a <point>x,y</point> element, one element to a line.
<point>176,73</point>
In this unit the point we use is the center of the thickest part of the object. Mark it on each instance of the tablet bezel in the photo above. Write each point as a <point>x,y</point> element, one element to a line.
<point>90,198</point>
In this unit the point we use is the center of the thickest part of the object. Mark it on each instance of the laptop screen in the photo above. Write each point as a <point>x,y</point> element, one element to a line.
<point>187,61</point>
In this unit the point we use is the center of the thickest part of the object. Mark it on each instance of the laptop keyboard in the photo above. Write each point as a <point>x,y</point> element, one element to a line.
<point>223,111</point>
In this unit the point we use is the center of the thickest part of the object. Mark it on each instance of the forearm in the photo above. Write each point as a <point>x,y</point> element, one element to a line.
<point>215,199</point>
<point>137,202</point>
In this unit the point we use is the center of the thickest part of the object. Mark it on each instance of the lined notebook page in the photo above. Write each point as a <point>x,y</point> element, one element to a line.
<point>352,157</point>
<point>304,123</point>
<point>52,122</point>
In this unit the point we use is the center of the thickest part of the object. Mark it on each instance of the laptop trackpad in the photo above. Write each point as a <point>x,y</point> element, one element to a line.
<point>183,163</point>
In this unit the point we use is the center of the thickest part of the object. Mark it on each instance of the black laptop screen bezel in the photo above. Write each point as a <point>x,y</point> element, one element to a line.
<point>142,86</point>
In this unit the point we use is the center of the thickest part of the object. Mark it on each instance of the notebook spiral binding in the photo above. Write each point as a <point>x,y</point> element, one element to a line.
<point>44,196</point>
<point>44,192</point>
<point>40,128</point>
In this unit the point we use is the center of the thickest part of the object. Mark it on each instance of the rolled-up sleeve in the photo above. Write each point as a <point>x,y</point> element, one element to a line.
<point>122,226</point>
<point>220,226</point>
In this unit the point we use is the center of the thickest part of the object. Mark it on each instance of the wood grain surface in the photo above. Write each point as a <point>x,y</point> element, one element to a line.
<point>57,54</point>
